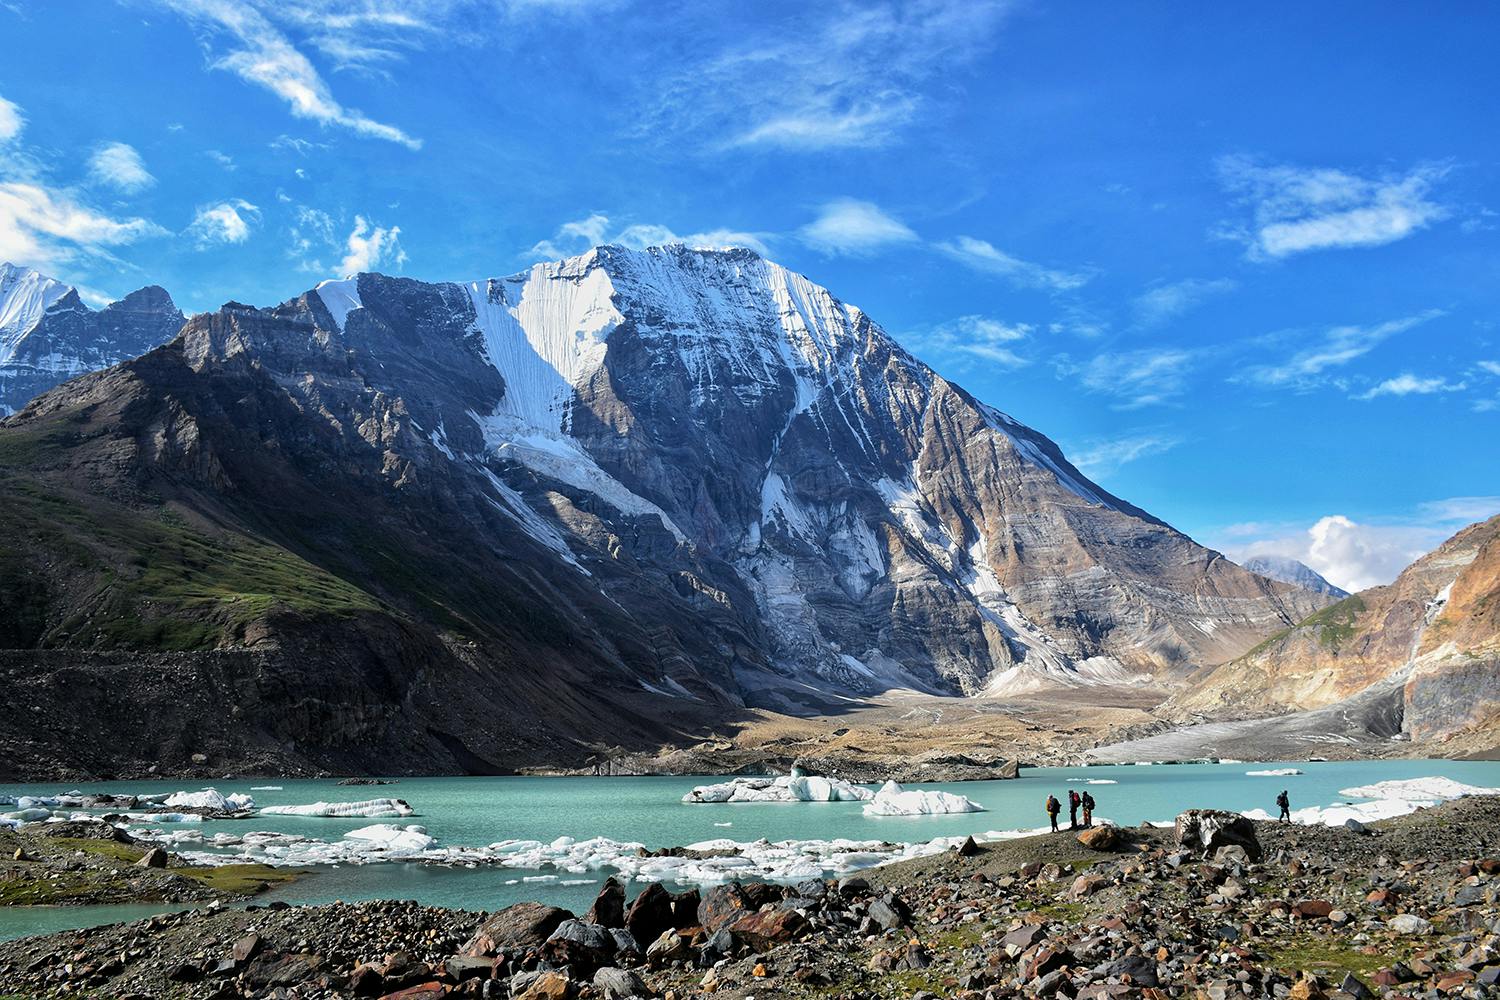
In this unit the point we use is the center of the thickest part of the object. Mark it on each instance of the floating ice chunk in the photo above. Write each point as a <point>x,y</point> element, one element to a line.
<point>210,798</point>
<point>34,814</point>
<point>1428,789</point>
<point>1093,781</point>
<point>796,788</point>
<point>1276,772</point>
<point>394,839</point>
<point>893,800</point>
<point>371,808</point>
<point>265,788</point>
<point>723,824</point>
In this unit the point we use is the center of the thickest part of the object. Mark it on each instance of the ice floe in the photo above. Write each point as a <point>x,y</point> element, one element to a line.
<point>210,798</point>
<point>1418,789</point>
<point>893,800</point>
<point>795,788</point>
<point>1275,772</point>
<point>368,808</point>
<point>1093,781</point>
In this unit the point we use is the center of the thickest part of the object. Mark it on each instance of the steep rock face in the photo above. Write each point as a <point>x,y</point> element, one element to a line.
<point>47,334</point>
<point>1292,571</point>
<point>1434,632</point>
<point>611,499</point>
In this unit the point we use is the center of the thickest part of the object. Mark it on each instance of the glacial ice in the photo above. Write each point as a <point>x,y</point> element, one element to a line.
<point>1275,772</point>
<point>893,800</point>
<point>1433,788</point>
<point>210,798</point>
<point>371,808</point>
<point>796,788</point>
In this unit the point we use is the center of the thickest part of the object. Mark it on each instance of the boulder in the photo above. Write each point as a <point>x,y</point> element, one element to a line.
<point>1100,838</point>
<point>154,858</point>
<point>887,913</point>
<point>581,946</point>
<point>269,969</point>
<point>968,848</point>
<point>763,931</point>
<point>1141,970</point>
<point>724,904</point>
<point>609,906</point>
<point>1312,909</point>
<point>519,927</point>
<point>685,908</point>
<point>668,947</point>
<point>650,914</point>
<point>1206,830</point>
<point>619,984</point>
<point>462,968</point>
<point>1010,769</point>
<point>547,986</point>
<point>1409,923</point>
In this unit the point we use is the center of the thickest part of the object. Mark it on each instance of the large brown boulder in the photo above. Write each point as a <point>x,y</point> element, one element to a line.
<point>724,904</point>
<point>1100,838</point>
<point>609,906</point>
<point>763,931</point>
<point>580,946</point>
<point>1205,831</point>
<point>519,927</point>
<point>650,914</point>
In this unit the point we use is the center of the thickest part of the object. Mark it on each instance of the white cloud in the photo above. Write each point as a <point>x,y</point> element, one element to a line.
<point>224,222</point>
<point>372,248</point>
<point>836,76</point>
<point>985,258</point>
<point>1296,209</point>
<point>1334,348</point>
<point>981,337</point>
<point>1139,378</point>
<point>596,230</point>
<point>118,165</point>
<point>1168,301</point>
<point>221,158</point>
<point>11,120</point>
<point>1407,384</point>
<point>261,53</point>
<point>1356,555</point>
<point>44,227</point>
<point>1098,459</point>
<point>1492,367</point>
<point>847,226</point>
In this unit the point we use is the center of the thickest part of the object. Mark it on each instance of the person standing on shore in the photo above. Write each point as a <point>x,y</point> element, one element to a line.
<point>1073,803</point>
<point>1088,811</point>
<point>1286,806</point>
<point>1053,808</point>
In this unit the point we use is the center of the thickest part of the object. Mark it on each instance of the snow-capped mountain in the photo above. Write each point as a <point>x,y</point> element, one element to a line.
<point>1293,571</point>
<point>622,493</point>
<point>48,335</point>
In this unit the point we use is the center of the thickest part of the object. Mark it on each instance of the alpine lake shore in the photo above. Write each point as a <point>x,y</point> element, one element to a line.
<point>1217,907</point>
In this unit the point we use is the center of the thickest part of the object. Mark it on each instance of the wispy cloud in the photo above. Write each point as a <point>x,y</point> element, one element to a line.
<point>222,158</point>
<point>42,226</point>
<point>840,76</point>
<point>1334,348</point>
<point>1099,459</point>
<point>372,248</point>
<point>1138,378</point>
<point>1297,209</point>
<point>223,222</point>
<point>847,226</point>
<point>984,257</point>
<point>597,230</point>
<point>975,337</point>
<point>1164,302</point>
<point>1407,384</point>
<point>118,165</point>
<point>1492,367</point>
<point>261,53</point>
<point>11,120</point>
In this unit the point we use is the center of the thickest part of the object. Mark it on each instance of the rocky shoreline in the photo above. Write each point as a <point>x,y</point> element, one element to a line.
<point>1216,908</point>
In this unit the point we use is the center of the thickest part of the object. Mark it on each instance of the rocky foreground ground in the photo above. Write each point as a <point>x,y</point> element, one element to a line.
<point>1215,909</point>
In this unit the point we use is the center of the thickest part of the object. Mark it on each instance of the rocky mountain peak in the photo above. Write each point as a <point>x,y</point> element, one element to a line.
<point>1292,571</point>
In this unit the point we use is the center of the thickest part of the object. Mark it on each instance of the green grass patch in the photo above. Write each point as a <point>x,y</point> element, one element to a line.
<point>1335,622</point>
<point>127,853</point>
<point>1329,960</point>
<point>241,880</point>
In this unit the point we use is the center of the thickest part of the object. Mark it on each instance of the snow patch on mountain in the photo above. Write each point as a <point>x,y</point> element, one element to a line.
<point>340,298</point>
<point>25,295</point>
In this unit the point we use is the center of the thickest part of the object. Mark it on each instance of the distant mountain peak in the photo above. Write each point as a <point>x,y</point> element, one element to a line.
<point>1295,572</point>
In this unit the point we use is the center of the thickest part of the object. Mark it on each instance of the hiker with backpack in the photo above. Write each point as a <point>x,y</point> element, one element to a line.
<point>1053,808</point>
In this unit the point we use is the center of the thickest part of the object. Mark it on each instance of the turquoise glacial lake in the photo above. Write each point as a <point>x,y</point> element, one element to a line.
<point>478,811</point>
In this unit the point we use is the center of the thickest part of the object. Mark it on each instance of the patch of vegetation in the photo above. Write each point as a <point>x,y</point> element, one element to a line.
<point>158,582</point>
<point>1328,959</point>
<point>128,853</point>
<point>241,880</point>
<point>1067,912</point>
<point>1335,622</point>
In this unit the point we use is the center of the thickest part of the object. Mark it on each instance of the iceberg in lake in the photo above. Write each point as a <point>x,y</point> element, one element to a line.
<point>893,800</point>
<point>793,788</point>
<point>210,798</point>
<point>1430,789</point>
<point>1275,772</point>
<point>371,808</point>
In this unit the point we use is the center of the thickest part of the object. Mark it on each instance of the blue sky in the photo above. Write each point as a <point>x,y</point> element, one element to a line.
<point>1242,262</point>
